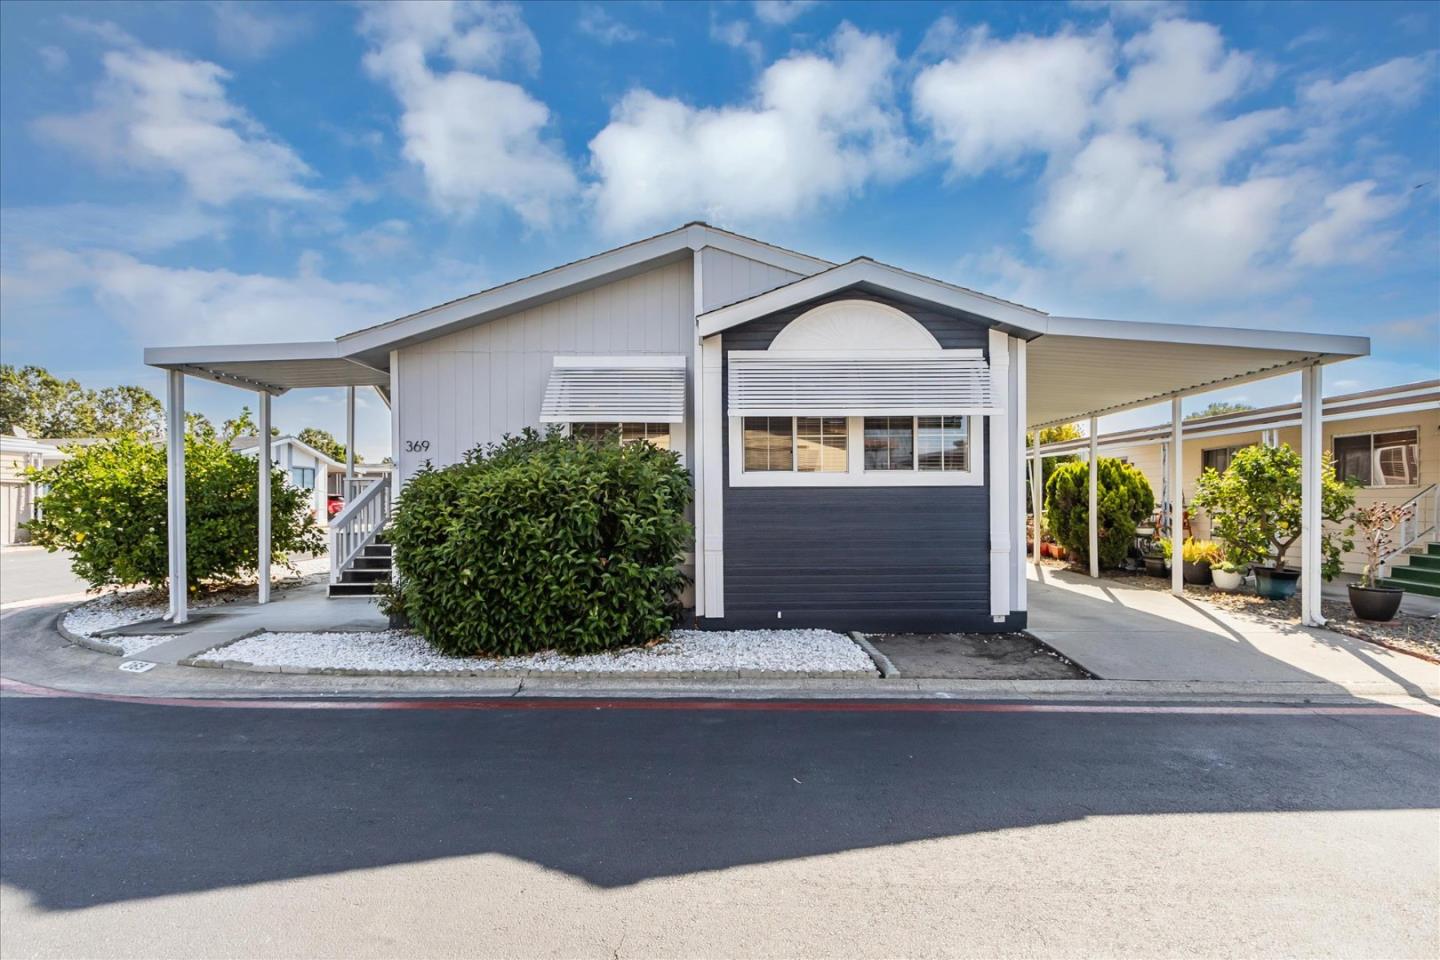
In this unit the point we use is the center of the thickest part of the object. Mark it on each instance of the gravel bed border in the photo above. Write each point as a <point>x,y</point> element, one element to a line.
<point>206,659</point>
<point>90,643</point>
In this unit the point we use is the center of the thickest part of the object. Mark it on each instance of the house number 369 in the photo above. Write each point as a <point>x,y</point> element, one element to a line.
<point>417,446</point>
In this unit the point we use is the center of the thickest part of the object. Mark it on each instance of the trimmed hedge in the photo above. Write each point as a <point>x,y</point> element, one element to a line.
<point>1124,498</point>
<point>106,506</point>
<point>542,543</point>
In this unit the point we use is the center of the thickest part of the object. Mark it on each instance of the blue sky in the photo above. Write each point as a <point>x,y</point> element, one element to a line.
<point>186,173</point>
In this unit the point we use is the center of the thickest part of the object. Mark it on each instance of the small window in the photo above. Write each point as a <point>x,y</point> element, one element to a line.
<point>657,434</point>
<point>889,443</point>
<point>303,477</point>
<point>1218,459</point>
<point>799,444</point>
<point>820,444</point>
<point>917,443</point>
<point>1389,459</point>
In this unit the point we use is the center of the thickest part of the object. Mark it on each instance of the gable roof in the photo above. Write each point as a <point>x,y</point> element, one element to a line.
<point>243,444</point>
<point>866,273</point>
<point>600,268</point>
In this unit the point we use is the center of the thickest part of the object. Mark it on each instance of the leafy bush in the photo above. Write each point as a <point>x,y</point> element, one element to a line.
<point>542,543</point>
<point>1201,551</point>
<point>1124,498</point>
<point>1254,507</point>
<point>106,506</point>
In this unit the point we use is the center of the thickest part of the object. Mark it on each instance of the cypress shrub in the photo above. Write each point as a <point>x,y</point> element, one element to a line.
<point>1124,499</point>
<point>541,543</point>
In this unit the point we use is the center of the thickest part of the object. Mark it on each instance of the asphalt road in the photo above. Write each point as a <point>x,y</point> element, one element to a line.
<point>148,830</point>
<point>30,573</point>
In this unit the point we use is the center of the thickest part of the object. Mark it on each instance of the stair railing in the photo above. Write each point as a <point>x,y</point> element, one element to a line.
<point>356,527</point>
<point>1419,523</point>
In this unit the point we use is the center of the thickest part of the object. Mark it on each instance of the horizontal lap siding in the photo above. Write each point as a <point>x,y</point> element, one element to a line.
<point>864,558</point>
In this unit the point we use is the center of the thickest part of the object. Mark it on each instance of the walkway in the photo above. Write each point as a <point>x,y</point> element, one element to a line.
<point>1123,632</point>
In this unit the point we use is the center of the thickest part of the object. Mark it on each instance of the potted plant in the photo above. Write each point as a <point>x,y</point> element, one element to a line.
<point>1227,576</point>
<point>1368,599</point>
<point>1254,507</point>
<point>1157,556</point>
<point>1197,556</point>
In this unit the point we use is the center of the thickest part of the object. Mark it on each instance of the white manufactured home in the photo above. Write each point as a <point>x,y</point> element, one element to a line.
<point>855,432</point>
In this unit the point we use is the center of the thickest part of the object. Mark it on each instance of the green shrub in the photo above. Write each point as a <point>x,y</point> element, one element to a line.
<point>1201,551</point>
<point>106,506</point>
<point>1124,498</point>
<point>1254,507</point>
<point>542,543</point>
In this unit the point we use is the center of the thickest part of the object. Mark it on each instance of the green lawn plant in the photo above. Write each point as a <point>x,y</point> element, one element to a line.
<point>542,543</point>
<point>106,506</point>
<point>1124,498</point>
<point>1254,507</point>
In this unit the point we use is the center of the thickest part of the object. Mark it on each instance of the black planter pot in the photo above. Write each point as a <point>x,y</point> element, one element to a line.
<point>1375,603</point>
<point>1155,566</point>
<point>1276,584</point>
<point>1196,574</point>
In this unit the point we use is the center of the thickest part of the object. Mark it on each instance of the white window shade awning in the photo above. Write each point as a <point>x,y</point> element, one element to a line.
<point>615,389</point>
<point>952,382</point>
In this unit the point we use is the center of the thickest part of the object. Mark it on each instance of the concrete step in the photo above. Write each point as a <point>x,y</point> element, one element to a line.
<point>1411,586</point>
<point>352,590</point>
<point>1415,575</point>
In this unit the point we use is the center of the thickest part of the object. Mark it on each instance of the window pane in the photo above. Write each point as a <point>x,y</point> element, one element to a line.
<point>1352,459</point>
<point>889,443</point>
<point>656,433</point>
<point>1217,459</point>
<point>943,443</point>
<point>593,431</point>
<point>1397,458</point>
<point>767,443</point>
<point>820,444</point>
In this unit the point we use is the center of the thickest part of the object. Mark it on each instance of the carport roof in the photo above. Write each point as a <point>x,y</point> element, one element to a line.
<point>273,367</point>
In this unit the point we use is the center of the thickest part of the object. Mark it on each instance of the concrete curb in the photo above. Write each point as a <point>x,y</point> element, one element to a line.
<point>575,675</point>
<point>90,643</point>
<point>882,662</point>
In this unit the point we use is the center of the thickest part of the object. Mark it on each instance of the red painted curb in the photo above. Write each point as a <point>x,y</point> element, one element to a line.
<point>734,706</point>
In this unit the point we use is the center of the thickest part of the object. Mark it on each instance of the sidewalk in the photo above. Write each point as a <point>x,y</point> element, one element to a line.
<point>1123,632</point>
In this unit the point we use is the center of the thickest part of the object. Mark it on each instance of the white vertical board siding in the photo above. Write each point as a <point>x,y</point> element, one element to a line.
<point>729,277</point>
<point>475,385</point>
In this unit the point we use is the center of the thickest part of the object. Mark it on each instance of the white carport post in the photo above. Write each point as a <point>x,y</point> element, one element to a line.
<point>1177,501</point>
<point>264,498</point>
<point>1310,497</point>
<point>175,492</point>
<point>1094,507</point>
<point>1037,496</point>
<point>349,443</point>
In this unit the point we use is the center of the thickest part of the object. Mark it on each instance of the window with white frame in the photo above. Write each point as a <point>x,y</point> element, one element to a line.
<point>1218,458</point>
<point>1390,459</point>
<point>303,477</point>
<point>861,451</point>
<point>657,434</point>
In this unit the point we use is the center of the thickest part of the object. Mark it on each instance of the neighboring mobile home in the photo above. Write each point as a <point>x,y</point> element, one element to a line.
<point>18,455</point>
<point>1386,442</point>
<point>855,431</point>
<point>307,468</point>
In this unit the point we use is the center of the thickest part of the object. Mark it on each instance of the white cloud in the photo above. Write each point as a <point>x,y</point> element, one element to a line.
<point>250,31</point>
<point>820,126</point>
<point>994,101</point>
<point>53,59</point>
<point>595,21</point>
<point>735,34</point>
<point>1118,212</point>
<point>1179,73</point>
<point>476,139</point>
<point>386,240</point>
<point>157,112</point>
<point>1396,83</point>
<point>131,227</point>
<point>779,13</point>
<point>1346,232</point>
<point>1132,9</point>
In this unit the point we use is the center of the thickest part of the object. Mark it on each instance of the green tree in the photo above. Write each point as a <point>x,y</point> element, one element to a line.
<point>325,442</point>
<point>243,425</point>
<point>1056,434</point>
<point>43,405</point>
<point>1254,506</point>
<point>1124,499</point>
<point>106,506</point>
<point>1219,408</point>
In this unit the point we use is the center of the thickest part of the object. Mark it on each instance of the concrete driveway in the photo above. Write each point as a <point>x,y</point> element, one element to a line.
<point>1123,632</point>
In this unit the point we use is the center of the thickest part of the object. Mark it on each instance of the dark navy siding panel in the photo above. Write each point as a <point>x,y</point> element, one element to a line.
<point>858,558</point>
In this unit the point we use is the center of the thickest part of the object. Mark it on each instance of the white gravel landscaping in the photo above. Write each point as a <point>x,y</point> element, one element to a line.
<point>717,653</point>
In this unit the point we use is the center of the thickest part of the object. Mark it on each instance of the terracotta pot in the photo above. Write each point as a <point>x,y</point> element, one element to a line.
<point>1378,604</point>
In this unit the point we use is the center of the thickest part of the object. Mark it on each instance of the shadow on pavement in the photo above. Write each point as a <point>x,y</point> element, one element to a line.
<point>107,802</point>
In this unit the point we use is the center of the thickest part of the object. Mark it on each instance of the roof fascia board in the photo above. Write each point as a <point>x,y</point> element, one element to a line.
<point>788,260</point>
<point>1333,346</point>
<point>877,275</point>
<point>241,353</point>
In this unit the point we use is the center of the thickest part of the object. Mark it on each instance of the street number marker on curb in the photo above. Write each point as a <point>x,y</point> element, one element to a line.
<point>137,666</point>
